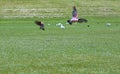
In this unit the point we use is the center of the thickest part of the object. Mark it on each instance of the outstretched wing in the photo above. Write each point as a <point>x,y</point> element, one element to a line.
<point>40,24</point>
<point>81,20</point>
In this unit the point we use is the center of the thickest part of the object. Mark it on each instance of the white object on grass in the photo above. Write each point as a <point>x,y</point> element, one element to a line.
<point>62,27</point>
<point>108,24</point>
<point>48,24</point>
<point>58,24</point>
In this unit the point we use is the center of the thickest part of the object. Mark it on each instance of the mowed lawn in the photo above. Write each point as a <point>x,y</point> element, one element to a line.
<point>77,49</point>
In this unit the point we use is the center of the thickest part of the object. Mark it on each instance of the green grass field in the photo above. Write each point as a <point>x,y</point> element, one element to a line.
<point>77,49</point>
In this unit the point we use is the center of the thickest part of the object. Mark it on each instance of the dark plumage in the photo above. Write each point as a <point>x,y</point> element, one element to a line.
<point>39,23</point>
<point>81,20</point>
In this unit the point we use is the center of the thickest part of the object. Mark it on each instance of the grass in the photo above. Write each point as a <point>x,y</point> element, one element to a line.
<point>77,49</point>
<point>56,8</point>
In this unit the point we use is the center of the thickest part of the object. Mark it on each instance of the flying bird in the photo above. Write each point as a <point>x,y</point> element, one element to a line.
<point>39,23</point>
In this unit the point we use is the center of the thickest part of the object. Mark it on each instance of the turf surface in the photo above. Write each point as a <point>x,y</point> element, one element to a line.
<point>77,49</point>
